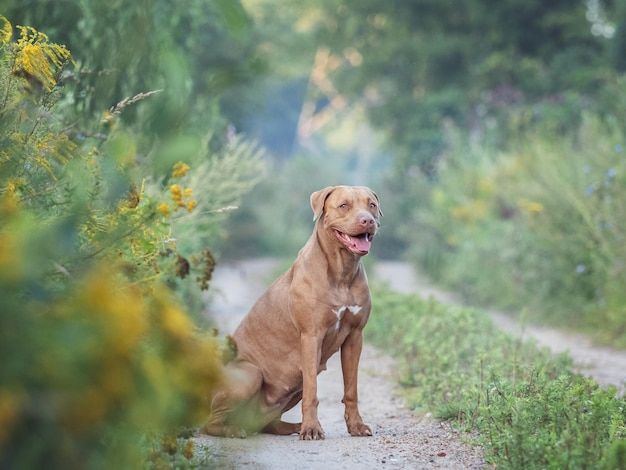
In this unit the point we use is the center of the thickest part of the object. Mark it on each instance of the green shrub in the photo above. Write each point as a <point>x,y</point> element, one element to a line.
<point>100,360</point>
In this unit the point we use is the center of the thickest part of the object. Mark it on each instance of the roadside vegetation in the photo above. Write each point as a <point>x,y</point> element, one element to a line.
<point>524,406</point>
<point>536,227</point>
<point>103,254</point>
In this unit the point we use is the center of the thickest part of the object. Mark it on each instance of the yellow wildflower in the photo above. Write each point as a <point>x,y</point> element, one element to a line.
<point>57,145</point>
<point>188,192</point>
<point>9,412</point>
<point>107,118</point>
<point>169,445</point>
<point>188,449</point>
<point>37,58</point>
<point>164,209</point>
<point>122,311</point>
<point>176,323</point>
<point>470,211</point>
<point>11,251</point>
<point>91,153</point>
<point>177,193</point>
<point>8,204</point>
<point>530,206</point>
<point>485,185</point>
<point>191,205</point>
<point>11,197</point>
<point>6,31</point>
<point>85,410</point>
<point>180,169</point>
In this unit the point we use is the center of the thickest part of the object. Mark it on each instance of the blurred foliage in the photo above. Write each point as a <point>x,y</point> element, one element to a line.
<point>421,63</point>
<point>102,362</point>
<point>203,53</point>
<point>524,407</point>
<point>538,226</point>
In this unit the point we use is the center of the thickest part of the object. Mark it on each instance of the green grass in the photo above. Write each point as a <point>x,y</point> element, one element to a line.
<point>524,406</point>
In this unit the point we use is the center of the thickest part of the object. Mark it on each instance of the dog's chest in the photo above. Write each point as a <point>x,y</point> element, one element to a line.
<point>341,320</point>
<point>347,314</point>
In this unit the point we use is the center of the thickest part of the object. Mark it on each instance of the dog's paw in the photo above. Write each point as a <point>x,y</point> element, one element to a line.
<point>359,429</point>
<point>311,432</point>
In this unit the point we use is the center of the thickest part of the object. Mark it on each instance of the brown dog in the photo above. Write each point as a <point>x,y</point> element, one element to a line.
<point>320,305</point>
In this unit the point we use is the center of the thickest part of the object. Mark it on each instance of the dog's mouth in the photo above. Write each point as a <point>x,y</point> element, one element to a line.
<point>357,244</point>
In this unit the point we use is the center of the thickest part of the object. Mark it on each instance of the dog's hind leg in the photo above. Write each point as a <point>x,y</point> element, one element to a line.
<point>243,382</point>
<point>283,428</point>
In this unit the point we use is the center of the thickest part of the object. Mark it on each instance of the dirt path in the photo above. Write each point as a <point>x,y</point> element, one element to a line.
<point>400,440</point>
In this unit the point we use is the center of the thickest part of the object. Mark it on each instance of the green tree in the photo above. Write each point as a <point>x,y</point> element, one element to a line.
<point>477,64</point>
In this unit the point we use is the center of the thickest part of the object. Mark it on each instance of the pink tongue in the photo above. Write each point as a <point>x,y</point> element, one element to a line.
<point>361,244</point>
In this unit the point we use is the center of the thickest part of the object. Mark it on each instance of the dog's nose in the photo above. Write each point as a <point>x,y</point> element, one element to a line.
<point>366,221</point>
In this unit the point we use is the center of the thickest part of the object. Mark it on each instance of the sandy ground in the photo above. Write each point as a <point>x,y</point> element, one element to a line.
<point>400,439</point>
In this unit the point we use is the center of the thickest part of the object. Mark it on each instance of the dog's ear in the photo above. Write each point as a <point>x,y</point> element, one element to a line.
<point>318,198</point>
<point>380,211</point>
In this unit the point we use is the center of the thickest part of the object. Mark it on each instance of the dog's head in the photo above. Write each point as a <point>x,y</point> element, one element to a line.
<point>351,213</point>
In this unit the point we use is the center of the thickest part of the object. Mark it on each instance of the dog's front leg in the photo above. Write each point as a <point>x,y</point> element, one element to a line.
<point>350,354</point>
<point>311,352</point>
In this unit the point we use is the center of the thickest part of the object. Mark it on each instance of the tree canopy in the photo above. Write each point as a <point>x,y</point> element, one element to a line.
<point>423,63</point>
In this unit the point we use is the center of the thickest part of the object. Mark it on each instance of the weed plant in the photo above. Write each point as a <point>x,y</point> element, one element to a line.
<point>524,406</point>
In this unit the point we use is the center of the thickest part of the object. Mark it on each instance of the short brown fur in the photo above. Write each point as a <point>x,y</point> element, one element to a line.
<point>316,308</point>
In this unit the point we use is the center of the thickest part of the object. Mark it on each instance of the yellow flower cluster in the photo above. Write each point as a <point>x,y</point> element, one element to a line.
<point>103,334</point>
<point>180,197</point>
<point>11,250</point>
<point>6,30</point>
<point>164,209</point>
<point>471,211</point>
<point>58,146</point>
<point>37,58</point>
<point>180,170</point>
<point>530,207</point>
<point>116,320</point>
<point>120,319</point>
<point>10,194</point>
<point>9,412</point>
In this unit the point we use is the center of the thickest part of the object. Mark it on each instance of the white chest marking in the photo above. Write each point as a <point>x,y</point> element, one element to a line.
<point>354,309</point>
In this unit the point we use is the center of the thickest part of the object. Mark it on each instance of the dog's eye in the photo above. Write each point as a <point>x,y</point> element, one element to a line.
<point>372,205</point>
<point>343,206</point>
